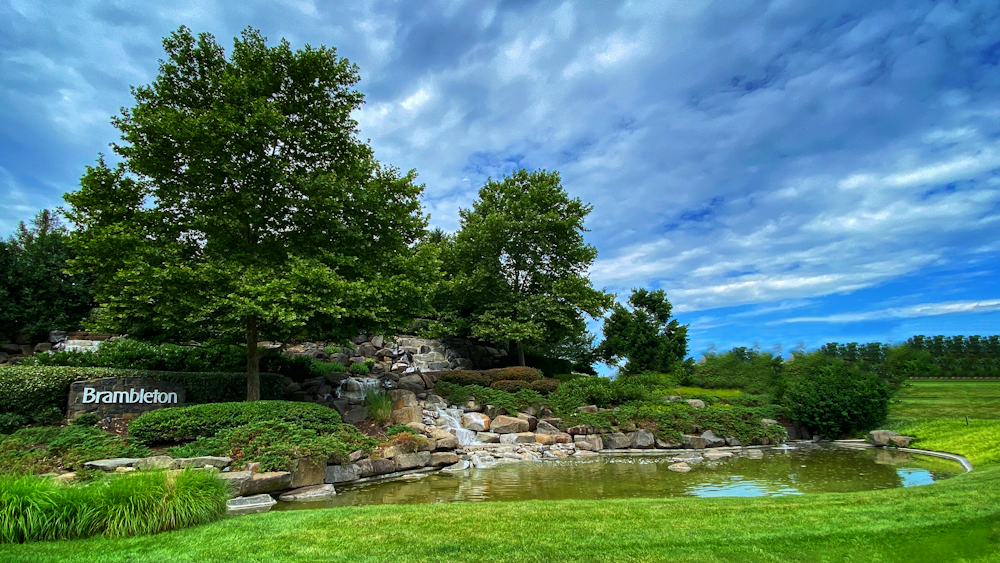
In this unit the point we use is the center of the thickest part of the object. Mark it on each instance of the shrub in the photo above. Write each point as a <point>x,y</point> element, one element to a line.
<point>276,444</point>
<point>358,368</point>
<point>516,373</point>
<point>408,442</point>
<point>10,422</point>
<point>510,386</point>
<point>545,386</point>
<point>331,349</point>
<point>36,509</point>
<point>178,424</point>
<point>45,449</point>
<point>370,362</point>
<point>86,419</point>
<point>39,392</point>
<point>740,368</point>
<point>324,368</point>
<point>834,397</point>
<point>513,402</point>
<point>599,391</point>
<point>379,405</point>
<point>399,429</point>
<point>465,377</point>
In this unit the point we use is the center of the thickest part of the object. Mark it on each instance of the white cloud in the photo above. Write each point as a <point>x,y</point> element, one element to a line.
<point>909,312</point>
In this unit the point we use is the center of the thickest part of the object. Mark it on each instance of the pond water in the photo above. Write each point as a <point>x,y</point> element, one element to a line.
<point>786,470</point>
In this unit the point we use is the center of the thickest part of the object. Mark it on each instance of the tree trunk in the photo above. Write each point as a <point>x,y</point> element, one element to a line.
<point>253,361</point>
<point>520,354</point>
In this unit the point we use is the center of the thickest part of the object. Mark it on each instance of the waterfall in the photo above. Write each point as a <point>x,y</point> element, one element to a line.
<point>450,420</point>
<point>355,387</point>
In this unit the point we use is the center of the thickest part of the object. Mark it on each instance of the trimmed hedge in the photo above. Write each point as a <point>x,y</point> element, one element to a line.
<point>490,376</point>
<point>465,377</point>
<point>545,386</point>
<point>178,424</point>
<point>36,391</point>
<point>510,385</point>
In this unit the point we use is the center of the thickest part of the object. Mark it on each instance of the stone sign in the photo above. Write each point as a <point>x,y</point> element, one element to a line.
<point>122,397</point>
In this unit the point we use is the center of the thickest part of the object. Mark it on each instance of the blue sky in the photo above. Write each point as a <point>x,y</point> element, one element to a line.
<point>790,172</point>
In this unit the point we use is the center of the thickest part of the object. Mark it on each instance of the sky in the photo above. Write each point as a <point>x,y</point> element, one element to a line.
<point>791,173</point>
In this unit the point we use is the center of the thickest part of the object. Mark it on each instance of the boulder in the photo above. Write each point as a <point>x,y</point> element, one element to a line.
<point>342,473</point>
<point>545,439</point>
<point>553,421</point>
<point>307,472</point>
<point>449,443</point>
<point>544,427</point>
<point>901,441</point>
<point>310,493</point>
<point>475,421</point>
<point>402,398</point>
<point>525,438</point>
<point>155,462</point>
<point>440,459</point>
<point>564,438</point>
<point>428,445</point>
<point>203,461</point>
<point>680,467</point>
<point>493,412</point>
<point>367,349</point>
<point>404,462</point>
<point>733,441</point>
<point>508,425</point>
<point>356,415</point>
<point>234,481</point>
<point>249,505</point>
<point>488,437</point>
<point>616,441</point>
<point>881,438</point>
<point>407,415</point>
<point>378,341</point>
<point>589,442</point>
<point>42,347</point>
<point>668,444</point>
<point>587,408</point>
<point>111,464</point>
<point>711,440</point>
<point>531,420</point>
<point>267,482</point>
<point>696,403</point>
<point>374,467</point>
<point>413,383</point>
<point>693,441</point>
<point>389,452</point>
<point>643,439</point>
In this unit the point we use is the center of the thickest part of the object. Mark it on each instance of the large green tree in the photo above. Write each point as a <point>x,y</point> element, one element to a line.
<point>645,336</point>
<point>245,208</point>
<point>36,293</point>
<point>517,268</point>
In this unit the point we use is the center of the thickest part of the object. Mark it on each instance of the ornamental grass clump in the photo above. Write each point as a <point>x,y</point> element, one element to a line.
<point>358,368</point>
<point>37,509</point>
<point>379,405</point>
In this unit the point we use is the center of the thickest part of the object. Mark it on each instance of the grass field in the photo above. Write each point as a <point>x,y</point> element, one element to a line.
<point>949,399</point>
<point>951,521</point>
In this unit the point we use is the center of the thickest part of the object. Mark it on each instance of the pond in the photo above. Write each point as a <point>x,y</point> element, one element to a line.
<point>787,470</point>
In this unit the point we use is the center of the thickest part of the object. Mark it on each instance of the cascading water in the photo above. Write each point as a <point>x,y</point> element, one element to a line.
<point>450,420</point>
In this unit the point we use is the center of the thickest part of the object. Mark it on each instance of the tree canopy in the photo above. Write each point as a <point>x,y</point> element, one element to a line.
<point>246,208</point>
<point>645,336</point>
<point>517,268</point>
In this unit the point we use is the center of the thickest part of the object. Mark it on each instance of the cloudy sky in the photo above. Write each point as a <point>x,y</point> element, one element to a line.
<point>791,172</point>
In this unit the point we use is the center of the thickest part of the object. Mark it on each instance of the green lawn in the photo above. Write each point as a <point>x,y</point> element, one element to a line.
<point>951,521</point>
<point>949,399</point>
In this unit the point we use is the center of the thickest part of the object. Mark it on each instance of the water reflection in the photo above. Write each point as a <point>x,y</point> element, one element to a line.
<point>785,471</point>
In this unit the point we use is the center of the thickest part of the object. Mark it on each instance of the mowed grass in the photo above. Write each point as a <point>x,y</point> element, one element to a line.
<point>955,520</point>
<point>949,399</point>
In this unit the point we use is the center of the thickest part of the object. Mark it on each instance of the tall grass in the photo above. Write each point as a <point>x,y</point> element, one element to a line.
<point>379,405</point>
<point>36,509</point>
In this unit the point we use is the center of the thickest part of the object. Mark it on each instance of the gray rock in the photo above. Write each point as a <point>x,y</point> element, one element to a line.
<point>310,493</point>
<point>217,462</point>
<point>668,444</point>
<point>440,459</point>
<point>711,440</point>
<point>715,456</point>
<point>588,408</point>
<point>249,505</point>
<point>544,427</point>
<point>695,442</point>
<point>460,466</point>
<point>406,415</point>
<point>901,441</point>
<point>342,473</point>
<point>155,462</point>
<point>508,425</point>
<point>413,383</point>
<point>375,467</point>
<point>306,473</point>
<point>403,398</point>
<point>378,341</point>
<point>696,403</point>
<point>754,454</point>
<point>356,415</point>
<point>733,441</point>
<point>111,464</point>
<point>616,441</point>
<point>416,460</point>
<point>488,437</point>
<point>449,443</point>
<point>643,439</point>
<point>530,419</point>
<point>266,483</point>
<point>881,438</point>
<point>234,481</point>
<point>589,442</point>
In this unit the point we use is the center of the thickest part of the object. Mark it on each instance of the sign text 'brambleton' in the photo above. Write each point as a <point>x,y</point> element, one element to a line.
<point>154,397</point>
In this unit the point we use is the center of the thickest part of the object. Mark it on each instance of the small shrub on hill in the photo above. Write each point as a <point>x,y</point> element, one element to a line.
<point>545,386</point>
<point>358,368</point>
<point>177,424</point>
<point>86,419</point>
<point>510,386</point>
<point>513,402</point>
<point>407,441</point>
<point>324,368</point>
<point>399,429</point>
<point>516,373</point>
<point>741,368</point>
<point>10,422</point>
<point>465,377</point>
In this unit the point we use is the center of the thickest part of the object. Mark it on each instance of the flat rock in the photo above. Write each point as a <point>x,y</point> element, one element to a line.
<point>508,425</point>
<point>462,465</point>
<point>583,429</point>
<point>202,461</point>
<point>544,427</point>
<point>342,473</point>
<point>416,460</point>
<point>111,464</point>
<point>881,437</point>
<point>693,441</point>
<point>234,481</point>
<point>250,505</point>
<point>587,408</point>
<point>449,443</point>
<point>375,467</point>
<point>306,472</point>
<point>545,439</point>
<point>155,462</point>
<point>564,438</point>
<point>754,454</point>
<point>266,482</point>
<point>310,493</point>
<point>680,467</point>
<point>616,441</point>
<point>488,437</point>
<point>440,459</point>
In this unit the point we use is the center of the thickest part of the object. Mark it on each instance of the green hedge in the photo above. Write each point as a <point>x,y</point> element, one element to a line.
<point>177,424</point>
<point>37,391</point>
<point>490,376</point>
